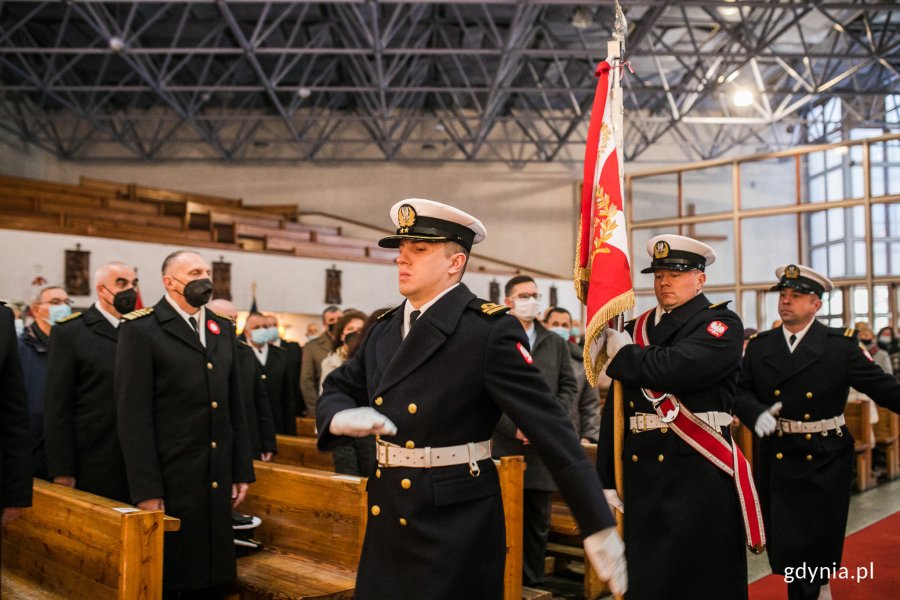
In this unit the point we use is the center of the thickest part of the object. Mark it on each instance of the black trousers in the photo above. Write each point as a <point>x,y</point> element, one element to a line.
<point>803,590</point>
<point>536,529</point>
<point>213,593</point>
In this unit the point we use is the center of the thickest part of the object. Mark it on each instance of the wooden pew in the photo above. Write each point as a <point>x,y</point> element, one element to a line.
<point>301,452</point>
<point>313,524</point>
<point>306,427</point>
<point>887,439</point>
<point>71,544</point>
<point>859,424</point>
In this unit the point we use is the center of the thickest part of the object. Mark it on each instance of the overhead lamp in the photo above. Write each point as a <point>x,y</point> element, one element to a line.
<point>743,97</point>
<point>304,92</point>
<point>728,11</point>
<point>116,44</point>
<point>582,18</point>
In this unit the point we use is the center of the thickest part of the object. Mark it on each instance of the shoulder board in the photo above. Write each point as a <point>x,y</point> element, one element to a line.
<point>488,308</point>
<point>217,315</point>
<point>753,337</point>
<point>137,314</point>
<point>72,317</point>
<point>760,334</point>
<point>387,313</point>
<point>849,332</point>
<point>720,304</point>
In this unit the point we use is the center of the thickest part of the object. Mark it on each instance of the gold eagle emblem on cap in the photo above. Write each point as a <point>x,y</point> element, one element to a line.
<point>792,272</point>
<point>661,249</point>
<point>406,217</point>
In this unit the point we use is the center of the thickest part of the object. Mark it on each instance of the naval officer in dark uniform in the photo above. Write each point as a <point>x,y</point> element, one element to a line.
<point>182,425</point>
<point>80,414</point>
<point>432,378</point>
<point>684,536</point>
<point>793,387</point>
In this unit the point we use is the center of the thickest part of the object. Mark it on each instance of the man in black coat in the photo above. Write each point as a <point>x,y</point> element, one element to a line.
<point>432,378</point>
<point>801,373</point>
<point>551,357</point>
<point>684,536</point>
<point>260,425</point>
<point>294,362</point>
<point>15,436</point>
<point>182,425</point>
<point>80,415</point>
<point>273,363</point>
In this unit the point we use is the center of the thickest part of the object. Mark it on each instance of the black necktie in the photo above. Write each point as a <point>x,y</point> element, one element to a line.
<point>413,316</point>
<point>793,339</point>
<point>193,322</point>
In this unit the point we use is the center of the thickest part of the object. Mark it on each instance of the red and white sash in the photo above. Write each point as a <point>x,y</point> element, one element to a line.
<point>712,445</point>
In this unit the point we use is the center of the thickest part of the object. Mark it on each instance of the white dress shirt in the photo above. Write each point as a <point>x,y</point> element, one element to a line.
<point>799,334</point>
<point>112,320</point>
<point>408,308</point>
<point>200,316</point>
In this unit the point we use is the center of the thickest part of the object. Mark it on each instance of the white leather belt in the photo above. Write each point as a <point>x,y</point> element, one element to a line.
<point>648,422</point>
<point>392,455</point>
<point>822,426</point>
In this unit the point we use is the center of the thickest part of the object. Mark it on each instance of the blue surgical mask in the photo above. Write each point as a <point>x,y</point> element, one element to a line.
<point>272,333</point>
<point>259,336</point>
<point>55,312</point>
<point>20,327</point>
<point>576,332</point>
<point>562,332</point>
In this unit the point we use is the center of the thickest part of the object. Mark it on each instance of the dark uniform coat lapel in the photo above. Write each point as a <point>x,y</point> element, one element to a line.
<point>804,481</point>
<point>436,534</point>
<point>175,398</point>
<point>80,417</point>
<point>682,514</point>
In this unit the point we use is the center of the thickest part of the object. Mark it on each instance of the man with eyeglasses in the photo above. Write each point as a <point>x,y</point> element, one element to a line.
<point>80,419</point>
<point>48,306</point>
<point>551,356</point>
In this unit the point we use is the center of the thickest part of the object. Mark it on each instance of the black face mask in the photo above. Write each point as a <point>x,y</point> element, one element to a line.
<point>350,337</point>
<point>197,292</point>
<point>124,301</point>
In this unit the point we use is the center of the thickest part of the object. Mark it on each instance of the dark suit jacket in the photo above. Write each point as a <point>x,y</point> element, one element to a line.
<point>80,414</point>
<point>445,384</point>
<point>294,366</point>
<point>15,434</point>
<point>183,431</point>
<point>33,349</point>
<point>260,425</point>
<point>551,357</point>
<point>275,377</point>
<point>681,512</point>
<point>804,482</point>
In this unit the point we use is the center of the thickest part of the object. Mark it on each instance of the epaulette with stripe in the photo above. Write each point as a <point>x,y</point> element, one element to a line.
<point>720,304</point>
<point>849,332</point>
<point>72,317</point>
<point>137,314</point>
<point>387,313</point>
<point>488,308</point>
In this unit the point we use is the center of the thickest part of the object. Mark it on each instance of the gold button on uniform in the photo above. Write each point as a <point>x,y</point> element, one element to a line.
<point>779,456</point>
<point>378,473</point>
<point>410,444</point>
<point>808,436</point>
<point>808,457</point>
<point>215,485</point>
<point>213,445</point>
<point>661,458</point>
<point>215,404</point>
<point>630,404</point>
<point>403,521</point>
<point>806,417</point>
<point>809,394</point>
<point>777,392</point>
<point>664,430</point>
<point>406,484</point>
<point>634,458</point>
<point>376,510</point>
<point>209,366</point>
<point>412,408</point>
<point>379,401</point>
<point>780,433</point>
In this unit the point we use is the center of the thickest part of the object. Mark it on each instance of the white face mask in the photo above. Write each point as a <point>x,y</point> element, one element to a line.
<point>526,309</point>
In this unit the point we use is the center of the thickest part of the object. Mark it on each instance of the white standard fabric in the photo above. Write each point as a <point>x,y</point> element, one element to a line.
<point>360,422</point>
<point>606,553</point>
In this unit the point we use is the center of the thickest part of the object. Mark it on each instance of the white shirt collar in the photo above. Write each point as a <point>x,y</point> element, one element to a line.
<point>112,320</point>
<point>262,354</point>
<point>200,315</point>
<point>799,334</point>
<point>659,314</point>
<point>408,308</point>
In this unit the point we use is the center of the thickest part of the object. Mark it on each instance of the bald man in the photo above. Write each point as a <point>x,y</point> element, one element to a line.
<point>182,425</point>
<point>80,416</point>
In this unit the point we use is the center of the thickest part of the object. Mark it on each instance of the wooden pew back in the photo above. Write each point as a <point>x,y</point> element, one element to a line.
<point>79,546</point>
<point>301,452</point>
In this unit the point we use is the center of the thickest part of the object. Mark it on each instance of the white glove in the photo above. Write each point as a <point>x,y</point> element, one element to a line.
<point>615,340</point>
<point>360,422</point>
<point>766,422</point>
<point>606,553</point>
<point>615,503</point>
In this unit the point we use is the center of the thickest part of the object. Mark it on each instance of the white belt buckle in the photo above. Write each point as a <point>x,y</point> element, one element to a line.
<point>671,414</point>
<point>474,469</point>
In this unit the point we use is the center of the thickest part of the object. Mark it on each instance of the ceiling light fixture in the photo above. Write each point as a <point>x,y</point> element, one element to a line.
<point>743,98</point>
<point>582,18</point>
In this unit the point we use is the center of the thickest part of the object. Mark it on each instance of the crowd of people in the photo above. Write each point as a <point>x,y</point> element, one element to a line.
<point>166,407</point>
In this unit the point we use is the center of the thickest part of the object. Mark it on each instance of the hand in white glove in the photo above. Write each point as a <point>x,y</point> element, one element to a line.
<point>606,553</point>
<point>766,422</point>
<point>615,503</point>
<point>615,340</point>
<point>360,422</point>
